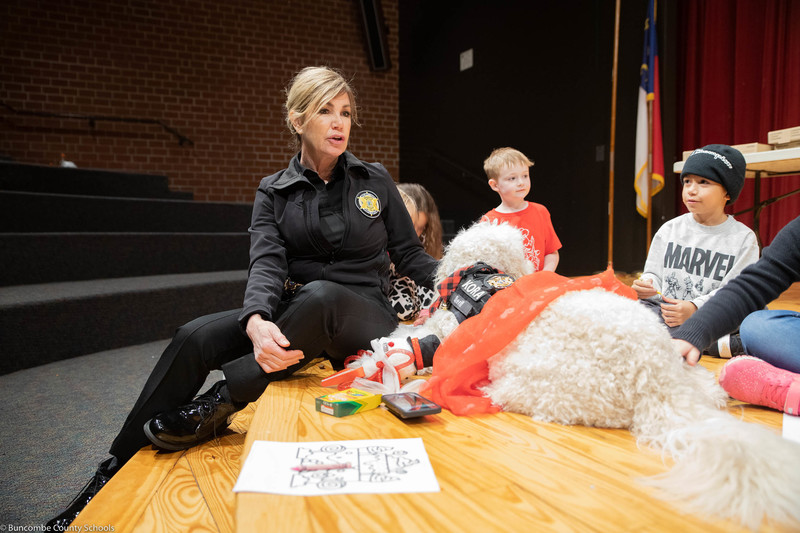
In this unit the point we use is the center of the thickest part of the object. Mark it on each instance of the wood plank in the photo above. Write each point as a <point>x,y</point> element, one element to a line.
<point>215,467</point>
<point>126,496</point>
<point>790,299</point>
<point>214,471</point>
<point>126,499</point>
<point>284,397</point>
<point>177,505</point>
<point>554,477</point>
<point>241,420</point>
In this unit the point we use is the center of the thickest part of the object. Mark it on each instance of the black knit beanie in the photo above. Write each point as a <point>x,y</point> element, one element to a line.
<point>719,163</point>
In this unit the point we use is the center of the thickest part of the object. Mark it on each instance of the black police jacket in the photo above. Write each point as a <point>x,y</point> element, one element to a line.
<point>286,239</point>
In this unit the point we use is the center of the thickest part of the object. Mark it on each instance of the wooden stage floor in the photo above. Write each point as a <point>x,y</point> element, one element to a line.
<point>502,472</point>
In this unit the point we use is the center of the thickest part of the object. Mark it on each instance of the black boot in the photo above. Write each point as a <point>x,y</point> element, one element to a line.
<point>195,422</point>
<point>104,472</point>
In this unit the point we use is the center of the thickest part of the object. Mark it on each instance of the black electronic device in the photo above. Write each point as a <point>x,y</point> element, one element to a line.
<point>410,405</point>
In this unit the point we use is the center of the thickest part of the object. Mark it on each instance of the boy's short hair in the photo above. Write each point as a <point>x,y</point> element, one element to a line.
<point>501,158</point>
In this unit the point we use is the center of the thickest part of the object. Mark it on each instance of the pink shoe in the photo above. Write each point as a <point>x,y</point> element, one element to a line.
<point>749,379</point>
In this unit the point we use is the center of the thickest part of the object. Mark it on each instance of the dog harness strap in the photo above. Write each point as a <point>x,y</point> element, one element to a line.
<point>447,286</point>
<point>467,290</point>
<point>474,291</point>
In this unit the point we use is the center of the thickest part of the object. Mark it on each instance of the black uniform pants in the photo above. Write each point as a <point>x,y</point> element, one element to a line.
<point>322,318</point>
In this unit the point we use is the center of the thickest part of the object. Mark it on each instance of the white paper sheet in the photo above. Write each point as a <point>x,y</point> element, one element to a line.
<point>791,427</point>
<point>376,466</point>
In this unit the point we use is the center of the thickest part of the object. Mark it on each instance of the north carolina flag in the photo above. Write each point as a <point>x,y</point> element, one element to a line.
<point>648,90</point>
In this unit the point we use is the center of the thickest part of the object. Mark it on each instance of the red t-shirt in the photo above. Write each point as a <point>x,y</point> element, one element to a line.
<point>539,236</point>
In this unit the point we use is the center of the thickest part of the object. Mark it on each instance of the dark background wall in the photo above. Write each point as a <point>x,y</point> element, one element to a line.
<point>213,70</point>
<point>541,82</point>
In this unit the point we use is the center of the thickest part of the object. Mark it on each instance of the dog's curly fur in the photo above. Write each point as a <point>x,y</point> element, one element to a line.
<point>599,359</point>
<point>499,245</point>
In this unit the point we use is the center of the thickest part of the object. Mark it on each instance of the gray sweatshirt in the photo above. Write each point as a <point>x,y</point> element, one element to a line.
<point>691,261</point>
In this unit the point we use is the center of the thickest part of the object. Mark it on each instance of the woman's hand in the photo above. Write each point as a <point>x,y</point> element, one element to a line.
<point>269,345</point>
<point>676,312</point>
<point>687,351</point>
<point>644,288</point>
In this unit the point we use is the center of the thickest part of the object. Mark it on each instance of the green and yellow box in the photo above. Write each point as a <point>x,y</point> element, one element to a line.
<point>347,402</point>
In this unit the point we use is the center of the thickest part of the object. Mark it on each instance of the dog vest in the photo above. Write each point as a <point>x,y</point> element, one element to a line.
<point>467,290</point>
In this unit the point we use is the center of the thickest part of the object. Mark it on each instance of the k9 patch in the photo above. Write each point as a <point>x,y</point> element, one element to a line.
<point>475,289</point>
<point>500,281</point>
<point>368,203</point>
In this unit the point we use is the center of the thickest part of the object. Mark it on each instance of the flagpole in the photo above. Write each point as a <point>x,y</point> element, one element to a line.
<point>612,143</point>
<point>649,180</point>
<point>650,128</point>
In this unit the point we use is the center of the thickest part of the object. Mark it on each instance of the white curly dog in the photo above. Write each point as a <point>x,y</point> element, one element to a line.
<point>599,359</point>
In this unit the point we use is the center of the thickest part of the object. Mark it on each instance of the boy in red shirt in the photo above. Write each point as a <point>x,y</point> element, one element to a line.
<point>508,171</point>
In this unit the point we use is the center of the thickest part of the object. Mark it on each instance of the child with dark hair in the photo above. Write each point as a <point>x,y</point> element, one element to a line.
<point>427,222</point>
<point>694,254</point>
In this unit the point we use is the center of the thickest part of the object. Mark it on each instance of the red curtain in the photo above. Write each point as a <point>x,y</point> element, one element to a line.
<point>739,77</point>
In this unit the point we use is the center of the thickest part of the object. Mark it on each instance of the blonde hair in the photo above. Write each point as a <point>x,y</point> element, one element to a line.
<point>432,235</point>
<point>501,158</point>
<point>310,90</point>
<point>410,204</point>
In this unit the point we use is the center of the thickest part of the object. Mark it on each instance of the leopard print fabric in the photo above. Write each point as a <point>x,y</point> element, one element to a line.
<point>407,298</point>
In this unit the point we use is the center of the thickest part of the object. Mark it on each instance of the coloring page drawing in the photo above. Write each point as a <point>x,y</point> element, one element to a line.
<point>337,467</point>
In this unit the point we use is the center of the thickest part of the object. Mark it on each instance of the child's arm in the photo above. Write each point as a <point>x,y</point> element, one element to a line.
<point>551,261</point>
<point>644,288</point>
<point>689,352</point>
<point>676,312</point>
<point>651,281</point>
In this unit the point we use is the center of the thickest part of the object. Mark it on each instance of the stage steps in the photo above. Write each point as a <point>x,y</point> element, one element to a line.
<point>56,257</point>
<point>28,177</point>
<point>94,260</point>
<point>48,322</point>
<point>35,212</point>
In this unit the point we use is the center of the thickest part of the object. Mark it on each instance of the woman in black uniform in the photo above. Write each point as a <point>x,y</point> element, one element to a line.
<point>317,285</point>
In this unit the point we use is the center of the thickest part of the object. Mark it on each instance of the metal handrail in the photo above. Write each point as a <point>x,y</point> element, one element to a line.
<point>182,139</point>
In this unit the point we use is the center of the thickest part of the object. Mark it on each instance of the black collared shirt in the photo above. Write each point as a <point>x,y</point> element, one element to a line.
<point>331,217</point>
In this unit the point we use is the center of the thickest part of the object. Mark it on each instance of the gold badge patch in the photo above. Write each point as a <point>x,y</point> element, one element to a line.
<point>500,281</point>
<point>368,203</point>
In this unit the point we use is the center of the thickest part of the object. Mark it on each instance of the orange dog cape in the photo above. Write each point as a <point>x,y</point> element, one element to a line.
<point>461,368</point>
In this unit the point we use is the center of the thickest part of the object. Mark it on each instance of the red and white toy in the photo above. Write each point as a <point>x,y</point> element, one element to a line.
<point>386,368</point>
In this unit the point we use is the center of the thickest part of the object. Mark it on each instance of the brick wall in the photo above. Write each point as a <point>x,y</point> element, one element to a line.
<point>213,70</point>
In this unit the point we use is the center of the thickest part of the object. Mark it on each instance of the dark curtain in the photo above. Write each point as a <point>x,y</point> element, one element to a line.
<point>740,78</point>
